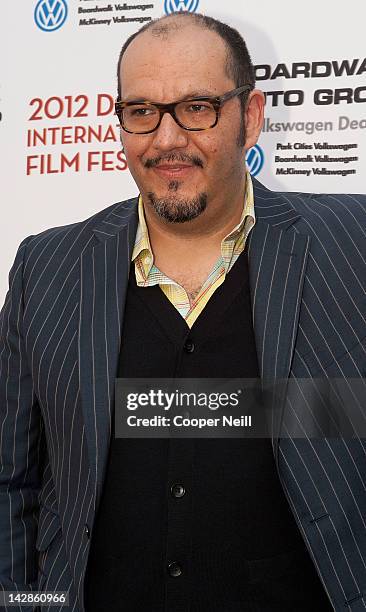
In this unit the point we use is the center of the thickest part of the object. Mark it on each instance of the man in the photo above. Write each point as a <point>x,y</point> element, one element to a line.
<point>207,274</point>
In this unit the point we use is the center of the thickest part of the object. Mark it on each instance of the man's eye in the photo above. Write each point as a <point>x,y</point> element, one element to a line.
<point>198,108</point>
<point>142,112</point>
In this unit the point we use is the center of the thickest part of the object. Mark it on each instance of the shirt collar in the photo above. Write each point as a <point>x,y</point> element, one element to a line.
<point>248,210</point>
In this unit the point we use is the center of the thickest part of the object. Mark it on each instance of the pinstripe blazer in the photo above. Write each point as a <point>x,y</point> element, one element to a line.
<point>60,338</point>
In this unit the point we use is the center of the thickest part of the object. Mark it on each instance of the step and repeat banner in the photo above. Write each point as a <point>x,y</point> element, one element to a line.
<point>61,158</point>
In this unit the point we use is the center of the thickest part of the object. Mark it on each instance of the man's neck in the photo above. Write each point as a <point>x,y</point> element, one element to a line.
<point>194,242</point>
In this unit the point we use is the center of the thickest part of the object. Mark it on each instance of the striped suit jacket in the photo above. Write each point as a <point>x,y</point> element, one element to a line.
<point>60,339</point>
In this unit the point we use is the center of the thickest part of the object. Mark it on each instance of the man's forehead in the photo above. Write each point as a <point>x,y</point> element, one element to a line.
<point>189,45</point>
<point>197,63</point>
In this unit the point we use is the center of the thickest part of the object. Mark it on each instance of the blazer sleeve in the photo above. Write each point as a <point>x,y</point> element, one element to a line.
<point>20,444</point>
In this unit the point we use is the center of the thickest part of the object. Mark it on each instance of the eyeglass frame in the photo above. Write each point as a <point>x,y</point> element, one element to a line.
<point>216,101</point>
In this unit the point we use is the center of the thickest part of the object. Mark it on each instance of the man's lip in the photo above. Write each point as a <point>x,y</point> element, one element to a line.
<point>173,171</point>
<point>173,166</point>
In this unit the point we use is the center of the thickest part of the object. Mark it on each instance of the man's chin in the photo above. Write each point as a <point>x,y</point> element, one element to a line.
<point>178,209</point>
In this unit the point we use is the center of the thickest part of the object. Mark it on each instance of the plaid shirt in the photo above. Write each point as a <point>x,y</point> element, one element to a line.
<point>147,274</point>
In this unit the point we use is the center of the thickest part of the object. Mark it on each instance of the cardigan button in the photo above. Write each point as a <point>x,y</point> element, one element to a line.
<point>174,569</point>
<point>177,490</point>
<point>87,530</point>
<point>189,346</point>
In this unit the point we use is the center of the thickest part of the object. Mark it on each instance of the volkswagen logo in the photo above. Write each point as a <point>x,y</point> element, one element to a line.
<point>50,15</point>
<point>255,160</point>
<point>178,6</point>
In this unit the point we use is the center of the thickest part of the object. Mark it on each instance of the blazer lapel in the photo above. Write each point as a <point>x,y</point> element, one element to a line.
<point>277,257</point>
<point>104,278</point>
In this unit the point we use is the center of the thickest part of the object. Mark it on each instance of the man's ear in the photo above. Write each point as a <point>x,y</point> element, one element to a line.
<point>254,117</point>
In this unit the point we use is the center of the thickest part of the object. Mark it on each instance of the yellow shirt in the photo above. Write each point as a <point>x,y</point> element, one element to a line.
<point>147,274</point>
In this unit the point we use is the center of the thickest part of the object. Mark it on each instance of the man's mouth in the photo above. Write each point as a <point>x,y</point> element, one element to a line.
<point>173,170</point>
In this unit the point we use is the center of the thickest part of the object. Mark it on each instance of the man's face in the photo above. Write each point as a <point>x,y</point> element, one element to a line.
<point>180,172</point>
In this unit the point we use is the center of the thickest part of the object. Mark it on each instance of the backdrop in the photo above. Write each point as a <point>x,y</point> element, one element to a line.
<point>61,158</point>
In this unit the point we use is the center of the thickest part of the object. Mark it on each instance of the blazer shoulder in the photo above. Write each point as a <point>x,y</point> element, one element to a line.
<point>78,233</point>
<point>333,209</point>
<point>55,250</point>
<point>337,203</point>
<point>340,216</point>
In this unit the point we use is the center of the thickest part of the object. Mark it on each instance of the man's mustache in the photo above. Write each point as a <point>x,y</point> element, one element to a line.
<point>173,157</point>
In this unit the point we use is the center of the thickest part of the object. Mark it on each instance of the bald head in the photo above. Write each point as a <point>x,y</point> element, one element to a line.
<point>187,60</point>
<point>170,24</point>
<point>236,60</point>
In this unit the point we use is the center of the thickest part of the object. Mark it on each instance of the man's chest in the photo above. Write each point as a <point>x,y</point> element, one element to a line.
<point>192,278</point>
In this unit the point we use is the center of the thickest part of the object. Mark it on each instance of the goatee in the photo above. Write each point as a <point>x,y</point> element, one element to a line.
<point>178,210</point>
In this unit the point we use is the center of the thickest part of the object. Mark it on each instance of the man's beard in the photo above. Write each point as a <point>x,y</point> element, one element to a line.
<point>178,210</point>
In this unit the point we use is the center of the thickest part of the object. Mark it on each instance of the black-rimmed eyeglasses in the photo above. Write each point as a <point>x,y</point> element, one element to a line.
<point>195,114</point>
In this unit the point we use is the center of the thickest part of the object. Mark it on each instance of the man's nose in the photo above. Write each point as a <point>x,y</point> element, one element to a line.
<point>169,135</point>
